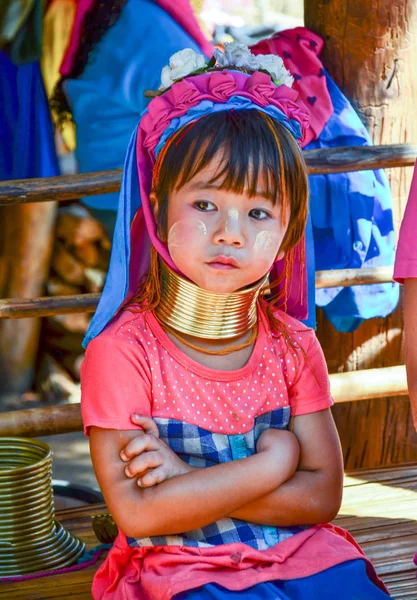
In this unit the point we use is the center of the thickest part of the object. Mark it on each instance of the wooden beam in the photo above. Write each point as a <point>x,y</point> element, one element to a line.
<point>359,158</point>
<point>370,51</point>
<point>332,160</point>
<point>22,308</point>
<point>64,187</point>
<point>349,277</point>
<point>369,383</point>
<point>26,242</point>
<point>345,387</point>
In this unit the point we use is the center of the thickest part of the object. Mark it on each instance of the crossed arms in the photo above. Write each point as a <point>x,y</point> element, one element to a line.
<point>292,479</point>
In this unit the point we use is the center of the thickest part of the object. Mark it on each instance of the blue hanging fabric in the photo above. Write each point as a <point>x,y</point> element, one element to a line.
<point>352,224</point>
<point>108,97</point>
<point>27,147</point>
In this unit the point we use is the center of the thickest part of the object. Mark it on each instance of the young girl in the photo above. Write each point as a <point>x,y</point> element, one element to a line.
<point>206,402</point>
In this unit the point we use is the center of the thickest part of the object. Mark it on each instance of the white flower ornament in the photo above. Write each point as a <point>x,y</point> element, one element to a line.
<point>181,64</point>
<point>236,55</point>
<point>274,65</point>
<point>187,62</point>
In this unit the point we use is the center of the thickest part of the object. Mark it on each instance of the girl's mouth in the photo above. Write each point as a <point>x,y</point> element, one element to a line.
<point>224,263</point>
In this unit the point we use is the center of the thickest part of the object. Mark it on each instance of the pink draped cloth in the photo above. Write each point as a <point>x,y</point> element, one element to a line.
<point>300,48</point>
<point>148,572</point>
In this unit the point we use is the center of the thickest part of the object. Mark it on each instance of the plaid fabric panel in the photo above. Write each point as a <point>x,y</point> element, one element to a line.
<point>200,447</point>
<point>225,531</point>
<point>195,444</point>
<point>191,442</point>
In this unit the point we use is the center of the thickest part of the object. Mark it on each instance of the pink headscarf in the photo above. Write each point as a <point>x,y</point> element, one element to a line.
<point>219,87</point>
<point>180,11</point>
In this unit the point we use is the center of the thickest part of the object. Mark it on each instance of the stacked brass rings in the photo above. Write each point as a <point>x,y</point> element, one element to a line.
<point>30,538</point>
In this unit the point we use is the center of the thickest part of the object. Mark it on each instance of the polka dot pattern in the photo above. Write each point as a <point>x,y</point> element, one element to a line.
<point>133,366</point>
<point>221,401</point>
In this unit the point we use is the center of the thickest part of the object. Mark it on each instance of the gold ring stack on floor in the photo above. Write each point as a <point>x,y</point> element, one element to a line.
<point>30,538</point>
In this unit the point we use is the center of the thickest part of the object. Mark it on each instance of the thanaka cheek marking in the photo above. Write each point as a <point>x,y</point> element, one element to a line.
<point>266,242</point>
<point>233,215</point>
<point>184,233</point>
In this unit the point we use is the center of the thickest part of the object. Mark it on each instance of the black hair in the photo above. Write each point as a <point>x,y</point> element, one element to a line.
<point>251,146</point>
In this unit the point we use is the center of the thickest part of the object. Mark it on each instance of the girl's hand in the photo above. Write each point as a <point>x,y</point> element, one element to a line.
<point>149,458</point>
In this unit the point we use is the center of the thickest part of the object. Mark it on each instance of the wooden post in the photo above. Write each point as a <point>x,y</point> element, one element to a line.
<point>371,53</point>
<point>26,239</point>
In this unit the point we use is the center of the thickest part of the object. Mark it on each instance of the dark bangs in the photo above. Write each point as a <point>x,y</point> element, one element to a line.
<point>257,154</point>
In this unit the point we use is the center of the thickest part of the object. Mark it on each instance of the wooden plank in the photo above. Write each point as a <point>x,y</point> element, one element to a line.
<point>319,161</point>
<point>389,543</point>
<point>388,475</point>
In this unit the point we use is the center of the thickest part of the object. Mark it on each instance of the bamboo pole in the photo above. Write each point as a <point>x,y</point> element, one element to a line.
<point>36,422</point>
<point>345,387</point>
<point>319,161</point>
<point>369,383</point>
<point>22,308</point>
<point>349,277</point>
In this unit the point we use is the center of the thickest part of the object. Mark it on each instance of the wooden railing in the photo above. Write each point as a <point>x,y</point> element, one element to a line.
<point>346,387</point>
<point>22,308</point>
<point>320,161</point>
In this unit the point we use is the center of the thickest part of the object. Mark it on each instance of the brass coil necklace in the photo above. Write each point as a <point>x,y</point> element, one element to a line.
<point>185,308</point>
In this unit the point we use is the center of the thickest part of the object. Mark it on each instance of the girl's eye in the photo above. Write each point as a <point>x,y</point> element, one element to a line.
<point>259,214</point>
<point>204,205</point>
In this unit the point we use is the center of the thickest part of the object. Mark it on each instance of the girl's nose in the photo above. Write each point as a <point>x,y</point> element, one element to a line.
<point>230,231</point>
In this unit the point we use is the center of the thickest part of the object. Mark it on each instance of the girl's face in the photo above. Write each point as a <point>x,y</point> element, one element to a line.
<point>221,240</point>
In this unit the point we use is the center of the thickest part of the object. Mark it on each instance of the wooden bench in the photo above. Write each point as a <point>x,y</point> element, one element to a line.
<point>379,509</point>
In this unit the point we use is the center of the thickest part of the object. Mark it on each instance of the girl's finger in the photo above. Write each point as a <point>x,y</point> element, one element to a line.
<point>141,443</point>
<point>140,464</point>
<point>147,423</point>
<point>154,477</point>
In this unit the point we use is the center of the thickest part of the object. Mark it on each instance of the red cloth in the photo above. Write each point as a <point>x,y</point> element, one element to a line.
<point>300,48</point>
<point>162,572</point>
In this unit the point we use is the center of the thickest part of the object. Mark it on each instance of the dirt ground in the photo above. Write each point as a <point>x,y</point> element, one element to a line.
<point>71,460</point>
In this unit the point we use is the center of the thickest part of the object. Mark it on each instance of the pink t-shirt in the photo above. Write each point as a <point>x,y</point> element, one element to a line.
<point>136,367</point>
<point>133,366</point>
<point>406,257</point>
